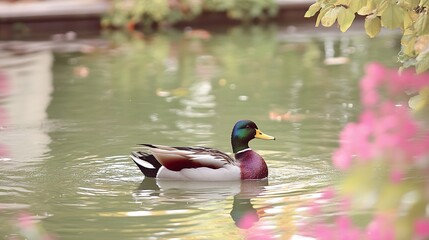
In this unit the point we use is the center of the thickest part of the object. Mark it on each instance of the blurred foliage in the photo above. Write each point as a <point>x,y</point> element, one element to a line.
<point>411,16</point>
<point>129,13</point>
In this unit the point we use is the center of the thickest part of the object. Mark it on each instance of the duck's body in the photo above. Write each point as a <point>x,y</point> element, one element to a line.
<point>206,164</point>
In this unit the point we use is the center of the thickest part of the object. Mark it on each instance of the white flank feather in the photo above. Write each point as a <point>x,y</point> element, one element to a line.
<point>227,173</point>
<point>142,163</point>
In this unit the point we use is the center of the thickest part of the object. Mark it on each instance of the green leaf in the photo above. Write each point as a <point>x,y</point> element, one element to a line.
<point>329,18</point>
<point>372,25</point>
<point>345,18</point>
<point>407,42</point>
<point>422,63</point>
<point>392,17</point>
<point>408,20</point>
<point>411,4</point>
<point>380,7</point>
<point>422,24</point>
<point>424,3</point>
<point>343,2</point>
<point>377,2</point>
<point>366,10</point>
<point>321,14</point>
<point>356,5</point>
<point>313,9</point>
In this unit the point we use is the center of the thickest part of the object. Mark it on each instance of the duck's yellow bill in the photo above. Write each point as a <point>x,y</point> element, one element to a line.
<point>262,135</point>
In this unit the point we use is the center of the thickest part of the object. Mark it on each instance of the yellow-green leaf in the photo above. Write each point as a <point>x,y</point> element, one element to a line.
<point>356,5</point>
<point>345,18</point>
<point>380,6</point>
<point>392,17</point>
<point>422,24</point>
<point>372,25</point>
<point>422,63</point>
<point>424,3</point>
<point>330,17</point>
<point>410,4</point>
<point>407,42</point>
<point>408,21</point>
<point>313,9</point>
<point>366,10</point>
<point>343,2</point>
<point>420,101</point>
<point>321,14</point>
<point>376,2</point>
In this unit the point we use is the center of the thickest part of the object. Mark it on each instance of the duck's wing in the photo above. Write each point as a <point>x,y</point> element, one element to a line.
<point>178,158</point>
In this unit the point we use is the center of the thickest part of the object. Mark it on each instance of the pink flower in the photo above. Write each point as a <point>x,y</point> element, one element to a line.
<point>342,228</point>
<point>381,228</point>
<point>376,70</point>
<point>375,74</point>
<point>421,227</point>
<point>406,80</point>
<point>355,142</point>
<point>248,220</point>
<point>346,229</point>
<point>328,193</point>
<point>369,98</point>
<point>385,131</point>
<point>323,231</point>
<point>396,175</point>
<point>342,159</point>
<point>378,77</point>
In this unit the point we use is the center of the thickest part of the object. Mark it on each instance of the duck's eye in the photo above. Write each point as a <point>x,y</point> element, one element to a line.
<point>247,126</point>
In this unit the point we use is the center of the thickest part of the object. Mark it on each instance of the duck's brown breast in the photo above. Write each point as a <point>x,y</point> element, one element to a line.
<point>252,165</point>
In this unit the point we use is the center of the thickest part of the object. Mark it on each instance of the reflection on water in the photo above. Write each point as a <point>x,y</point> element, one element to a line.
<point>243,213</point>
<point>25,88</point>
<point>66,130</point>
<point>25,93</point>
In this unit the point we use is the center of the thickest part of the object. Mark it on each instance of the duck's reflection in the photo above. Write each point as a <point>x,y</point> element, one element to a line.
<point>243,213</point>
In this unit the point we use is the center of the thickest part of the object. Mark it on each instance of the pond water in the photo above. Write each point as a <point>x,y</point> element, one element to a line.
<point>69,120</point>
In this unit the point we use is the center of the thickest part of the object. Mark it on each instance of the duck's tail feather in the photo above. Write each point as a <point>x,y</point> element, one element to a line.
<point>147,163</point>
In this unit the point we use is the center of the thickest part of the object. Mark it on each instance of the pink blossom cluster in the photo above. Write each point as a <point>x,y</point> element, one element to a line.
<point>381,227</point>
<point>385,129</point>
<point>392,83</point>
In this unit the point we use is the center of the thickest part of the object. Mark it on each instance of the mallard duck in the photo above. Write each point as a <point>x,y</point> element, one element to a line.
<point>206,164</point>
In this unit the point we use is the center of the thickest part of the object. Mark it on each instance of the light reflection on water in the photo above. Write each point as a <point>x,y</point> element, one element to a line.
<point>64,159</point>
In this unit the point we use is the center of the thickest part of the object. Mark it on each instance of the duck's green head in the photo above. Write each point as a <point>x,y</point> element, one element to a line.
<point>243,132</point>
